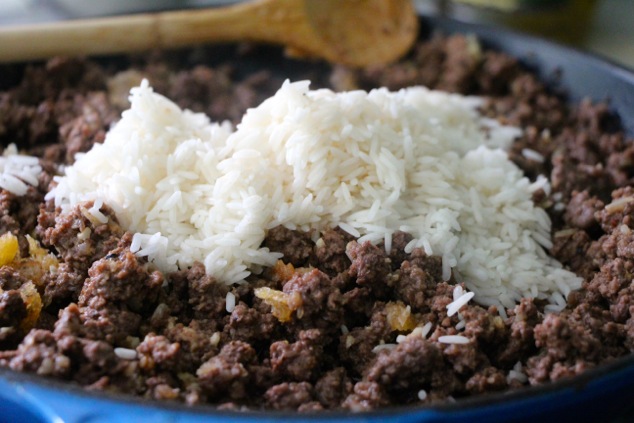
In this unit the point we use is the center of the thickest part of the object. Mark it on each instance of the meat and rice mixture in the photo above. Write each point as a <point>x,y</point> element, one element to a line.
<point>355,242</point>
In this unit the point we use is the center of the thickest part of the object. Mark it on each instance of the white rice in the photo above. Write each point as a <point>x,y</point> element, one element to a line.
<point>532,155</point>
<point>18,171</point>
<point>457,292</point>
<point>618,205</point>
<point>230,302</point>
<point>382,347</point>
<point>458,303</point>
<point>125,353</point>
<point>96,213</point>
<point>370,163</point>
<point>453,339</point>
<point>420,331</point>
<point>84,234</point>
<point>425,329</point>
<point>517,373</point>
<point>214,339</point>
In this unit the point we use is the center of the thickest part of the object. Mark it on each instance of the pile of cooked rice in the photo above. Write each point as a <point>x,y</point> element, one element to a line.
<point>18,171</point>
<point>416,160</point>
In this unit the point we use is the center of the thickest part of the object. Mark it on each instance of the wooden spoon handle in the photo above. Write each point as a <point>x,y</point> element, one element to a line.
<point>254,21</point>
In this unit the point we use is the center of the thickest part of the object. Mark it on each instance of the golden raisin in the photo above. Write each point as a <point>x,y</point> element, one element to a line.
<point>8,248</point>
<point>283,272</point>
<point>282,304</point>
<point>399,316</point>
<point>39,262</point>
<point>33,302</point>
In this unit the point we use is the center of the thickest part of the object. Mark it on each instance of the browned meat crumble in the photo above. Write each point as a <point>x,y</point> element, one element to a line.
<point>319,330</point>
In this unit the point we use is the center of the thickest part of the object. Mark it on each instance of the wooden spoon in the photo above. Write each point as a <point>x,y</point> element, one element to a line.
<point>351,32</point>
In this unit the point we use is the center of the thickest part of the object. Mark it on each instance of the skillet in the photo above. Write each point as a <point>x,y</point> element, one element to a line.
<point>600,394</point>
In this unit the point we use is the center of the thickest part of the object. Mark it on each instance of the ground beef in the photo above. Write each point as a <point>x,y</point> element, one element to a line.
<point>370,267</point>
<point>250,325</point>
<point>111,322</point>
<point>321,302</point>
<point>297,247</point>
<point>356,345</point>
<point>299,361</point>
<point>581,210</point>
<point>12,308</point>
<point>82,132</point>
<point>330,251</point>
<point>419,359</point>
<point>333,387</point>
<point>414,286</point>
<point>366,396</point>
<point>19,213</point>
<point>227,374</point>
<point>572,248</point>
<point>80,240</point>
<point>38,353</point>
<point>158,352</point>
<point>290,396</point>
<point>119,291</point>
<point>206,296</point>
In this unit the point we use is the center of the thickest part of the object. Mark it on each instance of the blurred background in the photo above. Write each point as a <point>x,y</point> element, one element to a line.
<point>605,27</point>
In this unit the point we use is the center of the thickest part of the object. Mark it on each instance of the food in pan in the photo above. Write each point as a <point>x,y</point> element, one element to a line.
<point>416,233</point>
